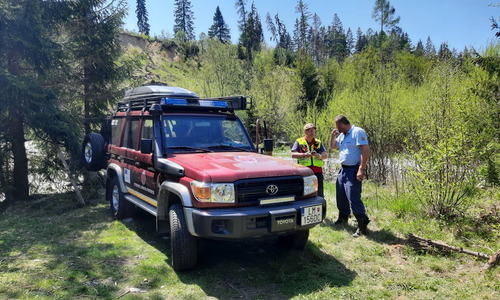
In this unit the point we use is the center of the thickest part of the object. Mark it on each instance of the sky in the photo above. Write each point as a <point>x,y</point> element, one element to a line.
<point>461,23</point>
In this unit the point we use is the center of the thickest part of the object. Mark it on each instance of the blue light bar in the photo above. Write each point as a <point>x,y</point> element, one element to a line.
<point>213,103</point>
<point>169,101</point>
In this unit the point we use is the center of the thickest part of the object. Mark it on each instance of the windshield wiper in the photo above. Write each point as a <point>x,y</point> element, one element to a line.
<point>230,147</point>
<point>190,148</point>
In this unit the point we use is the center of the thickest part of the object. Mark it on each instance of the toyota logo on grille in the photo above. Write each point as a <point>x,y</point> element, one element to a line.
<point>271,189</point>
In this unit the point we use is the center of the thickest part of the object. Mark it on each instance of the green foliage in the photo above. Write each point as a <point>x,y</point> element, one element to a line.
<point>308,78</point>
<point>488,89</point>
<point>220,73</point>
<point>95,78</point>
<point>274,96</point>
<point>373,96</point>
<point>32,64</point>
<point>414,68</point>
<point>444,175</point>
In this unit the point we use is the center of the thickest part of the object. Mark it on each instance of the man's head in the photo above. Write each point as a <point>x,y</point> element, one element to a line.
<point>309,126</point>
<point>309,130</point>
<point>342,124</point>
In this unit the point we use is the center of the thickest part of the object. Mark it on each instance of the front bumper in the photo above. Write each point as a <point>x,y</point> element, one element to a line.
<point>250,222</point>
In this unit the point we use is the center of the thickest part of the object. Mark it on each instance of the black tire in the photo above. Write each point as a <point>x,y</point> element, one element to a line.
<point>120,208</point>
<point>297,240</point>
<point>183,244</point>
<point>93,152</point>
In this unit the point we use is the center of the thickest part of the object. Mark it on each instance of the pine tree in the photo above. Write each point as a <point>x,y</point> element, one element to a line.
<point>296,36</point>
<point>219,29</point>
<point>349,42</point>
<point>282,38</point>
<point>142,17</point>
<point>336,39</point>
<point>254,30</point>
<point>184,19</point>
<point>307,75</point>
<point>22,60</point>
<point>272,28</point>
<point>317,40</point>
<point>95,45</point>
<point>302,26</point>
<point>383,12</point>
<point>444,51</point>
<point>361,41</point>
<point>419,50</point>
<point>430,49</point>
<point>242,22</point>
<point>33,70</point>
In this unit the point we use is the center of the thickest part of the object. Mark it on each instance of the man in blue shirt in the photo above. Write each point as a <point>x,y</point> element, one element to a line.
<point>352,143</point>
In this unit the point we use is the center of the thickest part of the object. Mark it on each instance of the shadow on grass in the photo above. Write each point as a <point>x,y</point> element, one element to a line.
<point>253,269</point>
<point>47,249</point>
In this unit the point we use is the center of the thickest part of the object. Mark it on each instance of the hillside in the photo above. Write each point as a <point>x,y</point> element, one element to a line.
<point>156,49</point>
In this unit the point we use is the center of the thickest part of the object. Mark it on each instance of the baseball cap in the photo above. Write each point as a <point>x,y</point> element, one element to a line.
<point>309,126</point>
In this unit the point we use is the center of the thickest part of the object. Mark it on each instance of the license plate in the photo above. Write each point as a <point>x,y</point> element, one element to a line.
<point>312,215</point>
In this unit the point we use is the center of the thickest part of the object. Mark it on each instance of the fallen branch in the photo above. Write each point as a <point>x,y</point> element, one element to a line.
<point>70,175</point>
<point>445,246</point>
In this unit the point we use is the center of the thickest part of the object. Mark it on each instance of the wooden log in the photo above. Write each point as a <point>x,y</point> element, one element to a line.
<point>81,201</point>
<point>448,247</point>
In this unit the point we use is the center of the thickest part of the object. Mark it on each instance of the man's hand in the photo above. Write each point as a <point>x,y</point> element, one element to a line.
<point>360,175</point>
<point>333,137</point>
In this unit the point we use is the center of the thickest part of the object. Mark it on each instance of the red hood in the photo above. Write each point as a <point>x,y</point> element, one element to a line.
<point>231,166</point>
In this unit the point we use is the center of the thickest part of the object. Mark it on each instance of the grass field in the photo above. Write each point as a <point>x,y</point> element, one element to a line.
<point>52,249</point>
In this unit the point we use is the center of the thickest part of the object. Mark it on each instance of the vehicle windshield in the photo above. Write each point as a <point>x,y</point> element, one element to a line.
<point>183,133</point>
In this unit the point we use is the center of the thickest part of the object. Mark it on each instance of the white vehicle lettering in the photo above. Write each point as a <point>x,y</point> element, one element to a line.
<point>284,222</point>
<point>144,188</point>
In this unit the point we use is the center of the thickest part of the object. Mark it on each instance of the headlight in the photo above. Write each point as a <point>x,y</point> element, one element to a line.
<point>310,184</point>
<point>213,192</point>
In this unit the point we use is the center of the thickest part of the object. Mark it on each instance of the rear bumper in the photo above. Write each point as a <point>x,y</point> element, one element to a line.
<point>250,222</point>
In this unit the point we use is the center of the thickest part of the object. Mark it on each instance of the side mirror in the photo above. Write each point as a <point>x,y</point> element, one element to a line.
<point>146,146</point>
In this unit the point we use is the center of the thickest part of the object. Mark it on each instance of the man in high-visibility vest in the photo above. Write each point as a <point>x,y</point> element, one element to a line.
<point>310,152</point>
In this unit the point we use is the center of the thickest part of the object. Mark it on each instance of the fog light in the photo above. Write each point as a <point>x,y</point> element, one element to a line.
<point>218,226</point>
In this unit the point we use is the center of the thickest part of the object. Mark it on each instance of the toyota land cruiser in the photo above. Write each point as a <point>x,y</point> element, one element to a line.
<point>190,163</point>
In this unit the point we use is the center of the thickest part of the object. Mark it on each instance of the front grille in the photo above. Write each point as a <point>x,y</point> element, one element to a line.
<point>251,190</point>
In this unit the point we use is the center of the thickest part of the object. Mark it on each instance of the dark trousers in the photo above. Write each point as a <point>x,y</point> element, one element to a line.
<point>320,184</point>
<point>349,192</point>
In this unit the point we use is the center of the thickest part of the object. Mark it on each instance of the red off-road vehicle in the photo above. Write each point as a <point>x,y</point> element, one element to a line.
<point>190,163</point>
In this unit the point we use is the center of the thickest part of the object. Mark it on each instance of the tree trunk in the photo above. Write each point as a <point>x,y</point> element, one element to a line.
<point>20,172</point>
<point>15,134</point>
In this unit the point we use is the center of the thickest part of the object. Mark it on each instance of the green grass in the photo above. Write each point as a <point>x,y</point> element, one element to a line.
<point>52,249</point>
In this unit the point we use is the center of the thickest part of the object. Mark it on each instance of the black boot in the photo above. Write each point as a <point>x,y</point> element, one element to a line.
<point>363,221</point>
<point>341,220</point>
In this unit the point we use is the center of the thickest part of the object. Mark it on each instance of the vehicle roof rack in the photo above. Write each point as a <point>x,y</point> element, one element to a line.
<point>178,99</point>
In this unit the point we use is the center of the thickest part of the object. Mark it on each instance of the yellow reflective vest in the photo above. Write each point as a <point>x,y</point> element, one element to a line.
<point>304,147</point>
